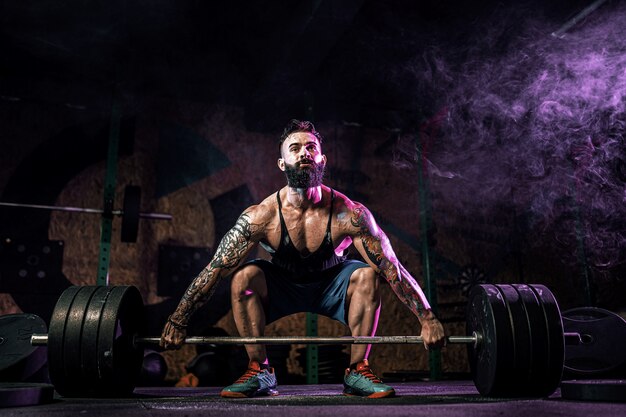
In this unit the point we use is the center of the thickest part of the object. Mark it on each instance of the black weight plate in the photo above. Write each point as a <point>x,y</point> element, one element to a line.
<point>556,342</point>
<point>75,383</point>
<point>594,390</point>
<point>119,360</point>
<point>56,338</point>
<point>518,382</point>
<point>604,338</point>
<point>539,344</point>
<point>91,327</point>
<point>492,360</point>
<point>18,358</point>
<point>130,213</point>
<point>20,394</point>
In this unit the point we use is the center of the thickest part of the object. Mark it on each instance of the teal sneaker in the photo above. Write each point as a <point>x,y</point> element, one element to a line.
<point>253,382</point>
<point>362,382</point>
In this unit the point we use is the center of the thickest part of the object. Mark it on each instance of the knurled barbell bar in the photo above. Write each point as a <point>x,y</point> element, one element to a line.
<point>515,340</point>
<point>42,340</point>
<point>130,213</point>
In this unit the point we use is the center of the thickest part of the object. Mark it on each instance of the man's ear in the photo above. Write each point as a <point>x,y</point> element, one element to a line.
<point>324,159</point>
<point>281,164</point>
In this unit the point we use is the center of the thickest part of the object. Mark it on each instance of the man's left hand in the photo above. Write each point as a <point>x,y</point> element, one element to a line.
<point>432,332</point>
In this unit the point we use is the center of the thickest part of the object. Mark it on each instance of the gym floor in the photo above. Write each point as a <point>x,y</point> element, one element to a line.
<point>447,398</point>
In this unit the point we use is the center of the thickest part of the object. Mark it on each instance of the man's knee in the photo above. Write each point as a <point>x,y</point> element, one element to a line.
<point>364,281</point>
<point>247,281</point>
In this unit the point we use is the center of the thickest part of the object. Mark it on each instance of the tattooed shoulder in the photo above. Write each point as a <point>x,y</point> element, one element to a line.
<point>366,232</point>
<point>361,219</point>
<point>237,241</point>
<point>251,222</point>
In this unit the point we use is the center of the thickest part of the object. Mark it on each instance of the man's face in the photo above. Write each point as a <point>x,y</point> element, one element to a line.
<point>302,160</point>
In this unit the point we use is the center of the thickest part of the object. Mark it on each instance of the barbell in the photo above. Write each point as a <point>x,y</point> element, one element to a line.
<point>515,340</point>
<point>130,212</point>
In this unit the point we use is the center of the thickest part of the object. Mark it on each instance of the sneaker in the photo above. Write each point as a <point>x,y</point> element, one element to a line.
<point>254,381</point>
<point>362,382</point>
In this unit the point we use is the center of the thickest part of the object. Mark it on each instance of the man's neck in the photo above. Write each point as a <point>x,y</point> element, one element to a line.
<point>304,197</point>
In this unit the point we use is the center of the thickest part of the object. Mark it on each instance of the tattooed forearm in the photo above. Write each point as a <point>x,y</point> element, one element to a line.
<point>378,249</point>
<point>231,250</point>
<point>198,292</point>
<point>405,291</point>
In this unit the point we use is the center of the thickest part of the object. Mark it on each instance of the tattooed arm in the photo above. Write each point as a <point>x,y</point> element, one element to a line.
<point>233,248</point>
<point>376,249</point>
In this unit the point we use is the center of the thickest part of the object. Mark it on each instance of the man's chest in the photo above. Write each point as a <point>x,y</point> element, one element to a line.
<point>305,230</point>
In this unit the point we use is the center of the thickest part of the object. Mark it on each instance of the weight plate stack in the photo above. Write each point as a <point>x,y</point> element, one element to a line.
<point>91,347</point>
<point>521,352</point>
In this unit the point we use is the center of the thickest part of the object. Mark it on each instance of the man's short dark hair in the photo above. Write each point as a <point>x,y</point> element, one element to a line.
<point>298,126</point>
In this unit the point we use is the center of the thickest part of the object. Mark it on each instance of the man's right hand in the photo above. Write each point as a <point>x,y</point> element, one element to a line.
<point>172,337</point>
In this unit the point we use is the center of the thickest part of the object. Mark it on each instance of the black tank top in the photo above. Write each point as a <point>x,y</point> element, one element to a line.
<point>288,257</point>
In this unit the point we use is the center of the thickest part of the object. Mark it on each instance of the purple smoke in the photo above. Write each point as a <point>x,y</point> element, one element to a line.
<point>534,124</point>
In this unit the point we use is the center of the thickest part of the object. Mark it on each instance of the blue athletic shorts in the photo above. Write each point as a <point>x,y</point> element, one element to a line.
<point>326,295</point>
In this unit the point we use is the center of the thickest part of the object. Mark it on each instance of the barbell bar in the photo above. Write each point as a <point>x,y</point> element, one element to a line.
<point>515,340</point>
<point>42,340</point>
<point>150,216</point>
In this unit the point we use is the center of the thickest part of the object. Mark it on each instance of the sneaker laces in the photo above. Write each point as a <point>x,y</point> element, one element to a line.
<point>251,372</point>
<point>365,370</point>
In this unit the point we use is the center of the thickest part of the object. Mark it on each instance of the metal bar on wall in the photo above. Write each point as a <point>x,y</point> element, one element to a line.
<point>434,355</point>
<point>312,375</point>
<point>106,225</point>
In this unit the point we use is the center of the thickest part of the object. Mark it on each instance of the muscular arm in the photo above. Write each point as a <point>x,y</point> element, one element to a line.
<point>233,248</point>
<point>376,249</point>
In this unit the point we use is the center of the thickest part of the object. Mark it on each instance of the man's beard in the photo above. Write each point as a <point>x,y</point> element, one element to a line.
<point>308,177</point>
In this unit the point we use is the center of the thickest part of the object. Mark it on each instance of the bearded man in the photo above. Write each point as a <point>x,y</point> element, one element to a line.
<point>305,226</point>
